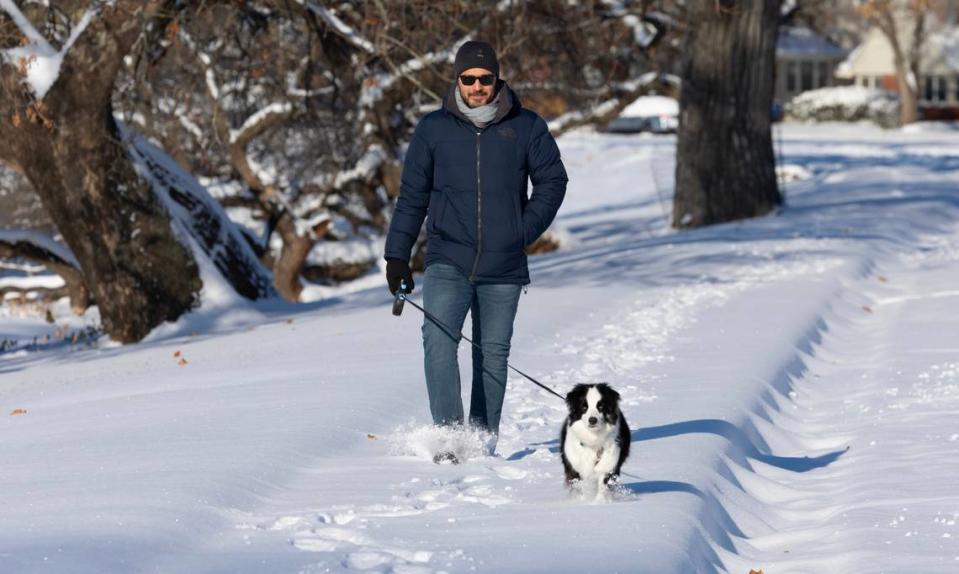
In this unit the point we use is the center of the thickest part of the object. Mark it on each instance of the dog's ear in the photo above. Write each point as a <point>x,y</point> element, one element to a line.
<point>575,394</point>
<point>610,392</point>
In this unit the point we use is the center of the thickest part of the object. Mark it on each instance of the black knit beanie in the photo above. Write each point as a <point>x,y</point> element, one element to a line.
<point>476,54</point>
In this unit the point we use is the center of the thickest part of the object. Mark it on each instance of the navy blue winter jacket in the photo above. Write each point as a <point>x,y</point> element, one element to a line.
<point>471,185</point>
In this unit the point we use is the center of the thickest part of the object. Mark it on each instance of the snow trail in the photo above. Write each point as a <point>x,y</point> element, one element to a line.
<point>885,380</point>
<point>740,352</point>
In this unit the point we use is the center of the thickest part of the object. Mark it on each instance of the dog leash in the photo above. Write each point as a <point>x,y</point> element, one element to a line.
<point>398,309</point>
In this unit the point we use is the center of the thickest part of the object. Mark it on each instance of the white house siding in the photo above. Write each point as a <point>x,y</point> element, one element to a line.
<point>872,65</point>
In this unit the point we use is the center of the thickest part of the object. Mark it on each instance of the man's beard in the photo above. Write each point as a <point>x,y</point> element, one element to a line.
<point>475,102</point>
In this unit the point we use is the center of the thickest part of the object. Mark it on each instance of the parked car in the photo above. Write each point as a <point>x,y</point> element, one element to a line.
<point>655,114</point>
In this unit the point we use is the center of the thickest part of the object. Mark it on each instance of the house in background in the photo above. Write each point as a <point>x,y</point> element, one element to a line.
<point>804,61</point>
<point>872,65</point>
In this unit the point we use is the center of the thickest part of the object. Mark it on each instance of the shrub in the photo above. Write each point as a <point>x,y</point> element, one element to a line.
<point>846,104</point>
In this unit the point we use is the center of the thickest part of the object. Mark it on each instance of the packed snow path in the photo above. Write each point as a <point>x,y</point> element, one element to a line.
<point>789,380</point>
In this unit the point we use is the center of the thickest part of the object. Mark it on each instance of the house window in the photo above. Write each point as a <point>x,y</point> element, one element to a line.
<point>824,75</point>
<point>935,89</point>
<point>806,77</point>
<point>792,80</point>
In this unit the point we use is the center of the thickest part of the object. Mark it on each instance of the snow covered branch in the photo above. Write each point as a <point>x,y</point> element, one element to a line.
<point>200,216</point>
<point>374,89</point>
<point>607,109</point>
<point>213,88</point>
<point>340,27</point>
<point>37,60</point>
<point>41,249</point>
<point>261,122</point>
<point>26,28</point>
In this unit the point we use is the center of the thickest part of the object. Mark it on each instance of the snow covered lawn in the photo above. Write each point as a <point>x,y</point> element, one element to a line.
<point>792,383</point>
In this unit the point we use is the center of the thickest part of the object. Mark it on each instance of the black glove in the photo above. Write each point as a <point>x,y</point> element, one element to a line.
<point>397,271</point>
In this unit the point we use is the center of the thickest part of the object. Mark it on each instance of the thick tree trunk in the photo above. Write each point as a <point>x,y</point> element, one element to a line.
<point>140,275</point>
<point>725,164</point>
<point>68,147</point>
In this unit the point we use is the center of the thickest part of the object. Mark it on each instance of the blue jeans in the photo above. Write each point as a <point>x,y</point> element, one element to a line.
<point>448,295</point>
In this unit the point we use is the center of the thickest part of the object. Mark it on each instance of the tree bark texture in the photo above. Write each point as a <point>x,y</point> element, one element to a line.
<point>725,164</point>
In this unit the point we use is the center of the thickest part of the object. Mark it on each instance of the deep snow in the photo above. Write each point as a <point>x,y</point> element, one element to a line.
<point>792,383</point>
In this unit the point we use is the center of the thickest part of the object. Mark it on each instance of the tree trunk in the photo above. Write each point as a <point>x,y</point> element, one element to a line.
<point>68,147</point>
<point>725,164</point>
<point>289,265</point>
<point>906,53</point>
<point>908,99</point>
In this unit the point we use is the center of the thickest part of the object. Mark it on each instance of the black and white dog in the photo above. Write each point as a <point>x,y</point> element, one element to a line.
<point>595,438</point>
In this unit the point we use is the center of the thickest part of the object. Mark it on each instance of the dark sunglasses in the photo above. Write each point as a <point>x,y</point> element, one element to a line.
<point>485,80</point>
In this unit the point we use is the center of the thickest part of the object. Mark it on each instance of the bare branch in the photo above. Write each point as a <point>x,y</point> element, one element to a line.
<point>54,256</point>
<point>340,27</point>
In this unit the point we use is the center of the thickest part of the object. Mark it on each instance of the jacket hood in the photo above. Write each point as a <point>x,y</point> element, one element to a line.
<point>508,101</point>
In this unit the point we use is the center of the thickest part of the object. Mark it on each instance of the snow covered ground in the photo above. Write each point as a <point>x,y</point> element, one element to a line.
<point>792,383</point>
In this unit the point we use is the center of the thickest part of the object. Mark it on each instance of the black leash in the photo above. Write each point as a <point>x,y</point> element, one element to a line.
<point>398,308</point>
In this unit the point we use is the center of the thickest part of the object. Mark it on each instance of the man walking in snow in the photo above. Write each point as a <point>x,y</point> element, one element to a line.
<point>466,173</point>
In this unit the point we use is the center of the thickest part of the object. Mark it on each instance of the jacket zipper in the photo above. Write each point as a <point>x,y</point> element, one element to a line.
<point>479,210</point>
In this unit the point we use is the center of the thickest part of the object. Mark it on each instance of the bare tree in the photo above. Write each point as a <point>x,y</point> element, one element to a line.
<point>58,130</point>
<point>907,26</point>
<point>66,143</point>
<point>725,166</point>
<point>903,23</point>
<point>297,112</point>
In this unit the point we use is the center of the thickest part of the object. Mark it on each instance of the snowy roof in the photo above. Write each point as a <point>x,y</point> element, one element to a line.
<point>801,41</point>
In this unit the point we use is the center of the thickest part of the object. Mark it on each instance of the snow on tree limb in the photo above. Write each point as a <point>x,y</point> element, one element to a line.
<point>201,217</point>
<point>365,167</point>
<point>42,249</point>
<point>24,25</point>
<point>261,121</point>
<point>609,108</point>
<point>340,27</point>
<point>36,247</point>
<point>211,84</point>
<point>38,59</point>
<point>374,89</point>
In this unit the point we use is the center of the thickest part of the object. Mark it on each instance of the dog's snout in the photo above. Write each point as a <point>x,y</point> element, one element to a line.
<point>593,420</point>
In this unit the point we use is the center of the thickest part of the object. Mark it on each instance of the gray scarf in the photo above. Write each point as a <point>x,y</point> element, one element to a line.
<point>482,115</point>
